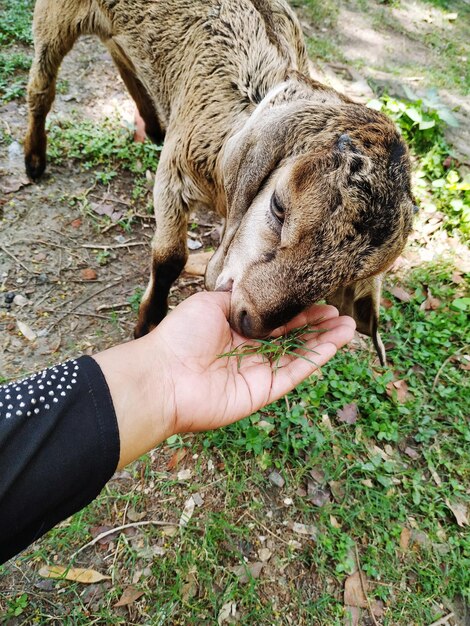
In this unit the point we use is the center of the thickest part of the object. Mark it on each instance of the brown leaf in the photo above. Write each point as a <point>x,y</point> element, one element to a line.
<point>97,530</point>
<point>348,414</point>
<point>411,452</point>
<point>77,574</point>
<point>10,184</point>
<point>352,616</point>
<point>400,388</point>
<point>337,489</point>
<point>197,263</point>
<point>405,537</point>
<point>89,274</point>
<point>386,303</point>
<point>318,475</point>
<point>457,278</point>
<point>431,303</point>
<point>401,294</point>
<point>242,572</point>
<point>459,509</point>
<point>319,496</point>
<point>353,593</point>
<point>76,223</point>
<point>176,458</point>
<point>129,595</point>
<point>135,516</point>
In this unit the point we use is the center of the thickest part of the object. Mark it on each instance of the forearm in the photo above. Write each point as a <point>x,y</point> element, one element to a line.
<point>141,394</point>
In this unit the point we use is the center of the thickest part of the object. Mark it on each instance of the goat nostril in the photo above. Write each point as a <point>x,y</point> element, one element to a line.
<point>245,323</point>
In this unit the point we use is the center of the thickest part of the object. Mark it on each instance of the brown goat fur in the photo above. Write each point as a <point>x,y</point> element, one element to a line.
<point>315,188</point>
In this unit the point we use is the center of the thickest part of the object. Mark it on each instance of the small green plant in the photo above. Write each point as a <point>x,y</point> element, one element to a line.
<point>439,182</point>
<point>15,21</point>
<point>12,75</point>
<point>135,298</point>
<point>17,606</point>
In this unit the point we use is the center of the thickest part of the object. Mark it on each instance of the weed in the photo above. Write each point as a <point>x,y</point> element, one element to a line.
<point>108,146</point>
<point>135,299</point>
<point>439,182</point>
<point>12,77</point>
<point>15,21</point>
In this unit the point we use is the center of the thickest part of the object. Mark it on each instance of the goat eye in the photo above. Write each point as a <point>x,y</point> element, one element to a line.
<point>277,210</point>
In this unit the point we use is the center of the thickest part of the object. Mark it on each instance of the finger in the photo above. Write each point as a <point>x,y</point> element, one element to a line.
<point>287,377</point>
<point>311,316</point>
<point>342,320</point>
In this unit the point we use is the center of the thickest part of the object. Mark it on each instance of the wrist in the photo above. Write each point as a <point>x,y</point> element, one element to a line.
<point>142,395</point>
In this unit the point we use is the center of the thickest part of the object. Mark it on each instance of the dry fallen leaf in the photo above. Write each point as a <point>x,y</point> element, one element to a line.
<point>348,414</point>
<point>264,554</point>
<point>26,330</point>
<point>135,516</point>
<point>129,595</point>
<point>304,529</point>
<point>242,572</point>
<point>89,274</point>
<point>353,593</point>
<point>401,294</point>
<point>10,184</point>
<point>77,574</point>
<point>197,263</point>
<point>188,511</point>
<point>431,303</point>
<point>227,611</point>
<point>176,458</point>
<point>400,388</point>
<point>405,537</point>
<point>352,616</point>
<point>184,474</point>
<point>459,509</point>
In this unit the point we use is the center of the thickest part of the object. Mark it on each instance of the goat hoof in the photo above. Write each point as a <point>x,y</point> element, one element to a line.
<point>35,166</point>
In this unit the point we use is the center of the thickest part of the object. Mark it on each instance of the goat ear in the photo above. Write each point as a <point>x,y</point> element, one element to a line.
<point>250,156</point>
<point>361,300</point>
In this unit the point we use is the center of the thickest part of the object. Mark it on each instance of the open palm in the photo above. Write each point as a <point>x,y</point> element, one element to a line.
<point>210,391</point>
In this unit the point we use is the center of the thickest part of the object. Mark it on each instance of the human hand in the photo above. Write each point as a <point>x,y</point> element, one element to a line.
<point>173,380</point>
<point>207,391</point>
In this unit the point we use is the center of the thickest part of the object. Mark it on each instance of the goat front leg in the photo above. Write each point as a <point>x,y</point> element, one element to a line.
<point>169,251</point>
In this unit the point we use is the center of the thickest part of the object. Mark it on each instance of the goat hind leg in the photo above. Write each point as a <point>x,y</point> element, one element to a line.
<point>145,106</point>
<point>51,43</point>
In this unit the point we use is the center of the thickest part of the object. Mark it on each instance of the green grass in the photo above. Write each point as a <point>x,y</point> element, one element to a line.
<point>15,21</point>
<point>15,53</point>
<point>106,147</point>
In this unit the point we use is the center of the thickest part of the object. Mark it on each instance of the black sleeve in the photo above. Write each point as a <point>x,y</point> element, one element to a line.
<point>59,445</point>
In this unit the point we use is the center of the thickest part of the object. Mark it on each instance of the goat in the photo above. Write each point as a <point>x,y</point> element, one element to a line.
<point>315,188</point>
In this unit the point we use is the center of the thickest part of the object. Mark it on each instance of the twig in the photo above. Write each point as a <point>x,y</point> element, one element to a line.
<point>96,293</point>
<point>110,199</point>
<point>110,307</point>
<point>113,246</point>
<point>267,529</point>
<point>443,620</point>
<point>30,271</point>
<point>100,317</point>
<point>119,528</point>
<point>444,363</point>
<point>363,585</point>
